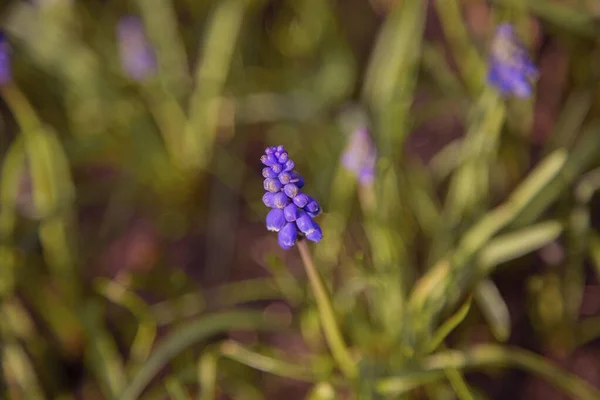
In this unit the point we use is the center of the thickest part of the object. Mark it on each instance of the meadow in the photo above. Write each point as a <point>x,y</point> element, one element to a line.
<point>302,199</point>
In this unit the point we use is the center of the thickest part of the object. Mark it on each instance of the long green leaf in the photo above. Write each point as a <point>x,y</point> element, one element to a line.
<point>489,356</point>
<point>188,335</point>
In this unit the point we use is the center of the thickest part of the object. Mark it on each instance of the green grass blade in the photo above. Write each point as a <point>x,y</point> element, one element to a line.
<point>235,351</point>
<point>175,389</point>
<point>494,309</point>
<point>518,243</point>
<point>192,333</point>
<point>448,326</point>
<point>489,356</point>
<point>211,74</point>
<point>207,374</point>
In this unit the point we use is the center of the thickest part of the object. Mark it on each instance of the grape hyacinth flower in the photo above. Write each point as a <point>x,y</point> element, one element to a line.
<point>360,156</point>
<point>511,70</point>
<point>5,67</point>
<point>137,56</point>
<point>292,211</point>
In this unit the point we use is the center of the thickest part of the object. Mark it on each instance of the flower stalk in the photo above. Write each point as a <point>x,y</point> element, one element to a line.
<point>331,330</point>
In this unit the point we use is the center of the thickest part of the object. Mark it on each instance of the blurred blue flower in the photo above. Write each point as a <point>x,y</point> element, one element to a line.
<point>511,70</point>
<point>360,156</point>
<point>136,53</point>
<point>5,68</point>
<point>292,211</point>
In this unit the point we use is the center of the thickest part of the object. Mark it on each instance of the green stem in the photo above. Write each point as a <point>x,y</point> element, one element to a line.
<point>330,328</point>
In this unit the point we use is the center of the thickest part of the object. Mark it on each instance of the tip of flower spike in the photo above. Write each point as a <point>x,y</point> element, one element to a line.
<point>137,55</point>
<point>360,155</point>
<point>511,70</point>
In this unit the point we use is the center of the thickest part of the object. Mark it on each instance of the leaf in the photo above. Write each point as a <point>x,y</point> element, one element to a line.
<point>176,389</point>
<point>207,375</point>
<point>190,334</point>
<point>321,391</point>
<point>241,354</point>
<point>494,309</point>
<point>518,243</point>
<point>448,326</point>
<point>433,367</point>
<point>12,167</point>
<point>146,332</point>
<point>102,356</point>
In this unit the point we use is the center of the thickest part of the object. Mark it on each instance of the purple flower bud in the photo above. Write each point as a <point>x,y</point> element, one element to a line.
<point>316,234</point>
<point>285,177</point>
<point>295,176</point>
<point>300,182</point>
<point>305,223</point>
<point>300,200</point>
<point>283,158</point>
<point>312,207</point>
<point>290,212</point>
<point>272,185</point>
<point>291,190</point>
<point>275,220</point>
<point>269,173</point>
<point>270,150</point>
<point>289,165</point>
<point>277,168</point>
<point>281,148</point>
<point>137,56</point>
<point>269,199</point>
<point>287,236</point>
<point>268,159</point>
<point>281,200</point>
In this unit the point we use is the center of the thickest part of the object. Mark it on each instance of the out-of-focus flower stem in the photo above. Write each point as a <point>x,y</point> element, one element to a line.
<point>330,327</point>
<point>366,195</point>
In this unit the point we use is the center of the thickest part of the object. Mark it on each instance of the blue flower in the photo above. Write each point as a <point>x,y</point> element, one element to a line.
<point>511,70</point>
<point>137,55</point>
<point>292,211</point>
<point>5,67</point>
<point>360,156</point>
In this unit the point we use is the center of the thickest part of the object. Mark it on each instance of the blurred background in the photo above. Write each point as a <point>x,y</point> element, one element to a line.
<point>134,258</point>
